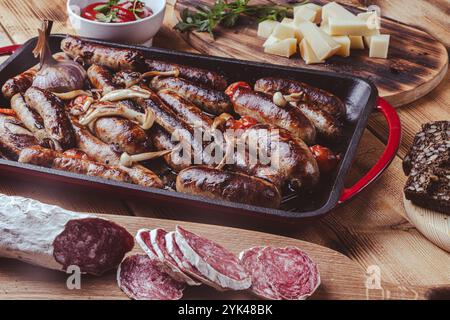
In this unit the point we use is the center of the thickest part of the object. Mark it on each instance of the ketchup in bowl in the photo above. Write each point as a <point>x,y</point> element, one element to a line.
<point>116,11</point>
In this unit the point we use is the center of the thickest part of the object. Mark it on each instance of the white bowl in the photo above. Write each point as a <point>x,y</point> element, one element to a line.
<point>134,32</point>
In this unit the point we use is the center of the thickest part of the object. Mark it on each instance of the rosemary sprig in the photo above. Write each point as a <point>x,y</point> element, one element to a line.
<point>224,13</point>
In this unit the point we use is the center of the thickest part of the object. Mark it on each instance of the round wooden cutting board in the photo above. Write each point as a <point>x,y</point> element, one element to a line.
<point>435,226</point>
<point>417,62</point>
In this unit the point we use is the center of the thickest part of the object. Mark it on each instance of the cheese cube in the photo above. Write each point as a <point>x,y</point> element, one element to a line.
<point>317,9</point>
<point>287,21</point>
<point>356,42</point>
<point>270,40</point>
<point>308,54</point>
<point>344,27</point>
<point>335,10</point>
<point>265,28</point>
<point>284,48</point>
<point>302,13</point>
<point>344,41</point>
<point>321,43</point>
<point>284,31</point>
<point>372,20</point>
<point>290,22</point>
<point>379,46</point>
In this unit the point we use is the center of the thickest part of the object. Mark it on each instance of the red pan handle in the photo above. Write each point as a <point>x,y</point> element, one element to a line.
<point>393,143</point>
<point>8,50</point>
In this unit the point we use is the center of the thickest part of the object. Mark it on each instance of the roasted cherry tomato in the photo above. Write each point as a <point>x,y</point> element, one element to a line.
<point>326,159</point>
<point>243,123</point>
<point>232,88</point>
<point>89,12</point>
<point>8,112</point>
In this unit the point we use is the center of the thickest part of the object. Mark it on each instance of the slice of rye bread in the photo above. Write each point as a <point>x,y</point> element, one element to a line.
<point>429,187</point>
<point>431,146</point>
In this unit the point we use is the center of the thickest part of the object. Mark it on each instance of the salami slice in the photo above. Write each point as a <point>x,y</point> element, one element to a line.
<point>54,238</point>
<point>141,278</point>
<point>184,265</point>
<point>154,242</point>
<point>213,261</point>
<point>281,273</point>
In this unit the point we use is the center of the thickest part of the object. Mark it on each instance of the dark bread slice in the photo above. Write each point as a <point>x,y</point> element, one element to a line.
<point>429,187</point>
<point>431,145</point>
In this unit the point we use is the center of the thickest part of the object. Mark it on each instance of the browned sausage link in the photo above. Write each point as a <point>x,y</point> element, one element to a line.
<point>124,135</point>
<point>113,58</point>
<point>228,186</point>
<point>29,118</point>
<point>202,77</point>
<point>19,83</point>
<point>161,140</point>
<point>127,79</point>
<point>209,100</point>
<point>292,163</point>
<point>77,154</point>
<point>325,100</point>
<point>102,152</point>
<point>260,106</point>
<point>327,126</point>
<point>101,78</point>
<point>188,111</point>
<point>14,137</point>
<point>56,121</point>
<point>56,160</point>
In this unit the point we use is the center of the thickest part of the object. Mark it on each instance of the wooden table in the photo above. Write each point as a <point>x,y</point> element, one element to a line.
<point>371,230</point>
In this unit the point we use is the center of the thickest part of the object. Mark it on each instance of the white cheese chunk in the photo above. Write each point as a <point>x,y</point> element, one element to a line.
<point>379,46</point>
<point>356,42</point>
<point>317,9</point>
<point>344,27</point>
<point>287,21</point>
<point>284,31</point>
<point>284,48</point>
<point>308,54</point>
<point>290,23</point>
<point>335,10</point>
<point>302,13</point>
<point>372,20</point>
<point>344,41</point>
<point>265,28</point>
<point>321,43</point>
<point>270,40</point>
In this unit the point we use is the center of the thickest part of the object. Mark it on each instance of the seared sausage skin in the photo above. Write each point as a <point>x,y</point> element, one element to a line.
<point>14,137</point>
<point>104,153</point>
<point>260,106</point>
<point>161,140</point>
<point>205,78</point>
<point>29,118</point>
<point>209,100</point>
<point>113,58</point>
<point>124,135</point>
<point>188,111</point>
<point>56,160</point>
<point>19,83</point>
<point>229,186</point>
<point>56,121</point>
<point>325,100</point>
<point>101,78</point>
<point>292,163</point>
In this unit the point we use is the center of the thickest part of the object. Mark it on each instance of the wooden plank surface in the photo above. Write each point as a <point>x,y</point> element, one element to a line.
<point>416,65</point>
<point>371,230</point>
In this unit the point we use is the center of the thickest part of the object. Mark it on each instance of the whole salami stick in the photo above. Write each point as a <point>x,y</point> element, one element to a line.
<point>55,238</point>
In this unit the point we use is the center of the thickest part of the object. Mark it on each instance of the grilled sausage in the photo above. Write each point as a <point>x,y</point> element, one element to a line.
<point>56,160</point>
<point>292,163</point>
<point>209,100</point>
<point>325,100</point>
<point>124,135</point>
<point>56,121</point>
<point>113,58</point>
<point>161,140</point>
<point>29,118</point>
<point>228,186</point>
<point>14,137</point>
<point>186,110</point>
<point>102,152</point>
<point>101,78</point>
<point>127,79</point>
<point>260,106</point>
<point>205,78</point>
<point>21,82</point>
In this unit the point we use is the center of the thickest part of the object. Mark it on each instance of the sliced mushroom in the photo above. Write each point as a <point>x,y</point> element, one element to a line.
<point>133,92</point>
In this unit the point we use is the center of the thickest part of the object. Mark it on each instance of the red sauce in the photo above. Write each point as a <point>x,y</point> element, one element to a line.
<point>116,11</point>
